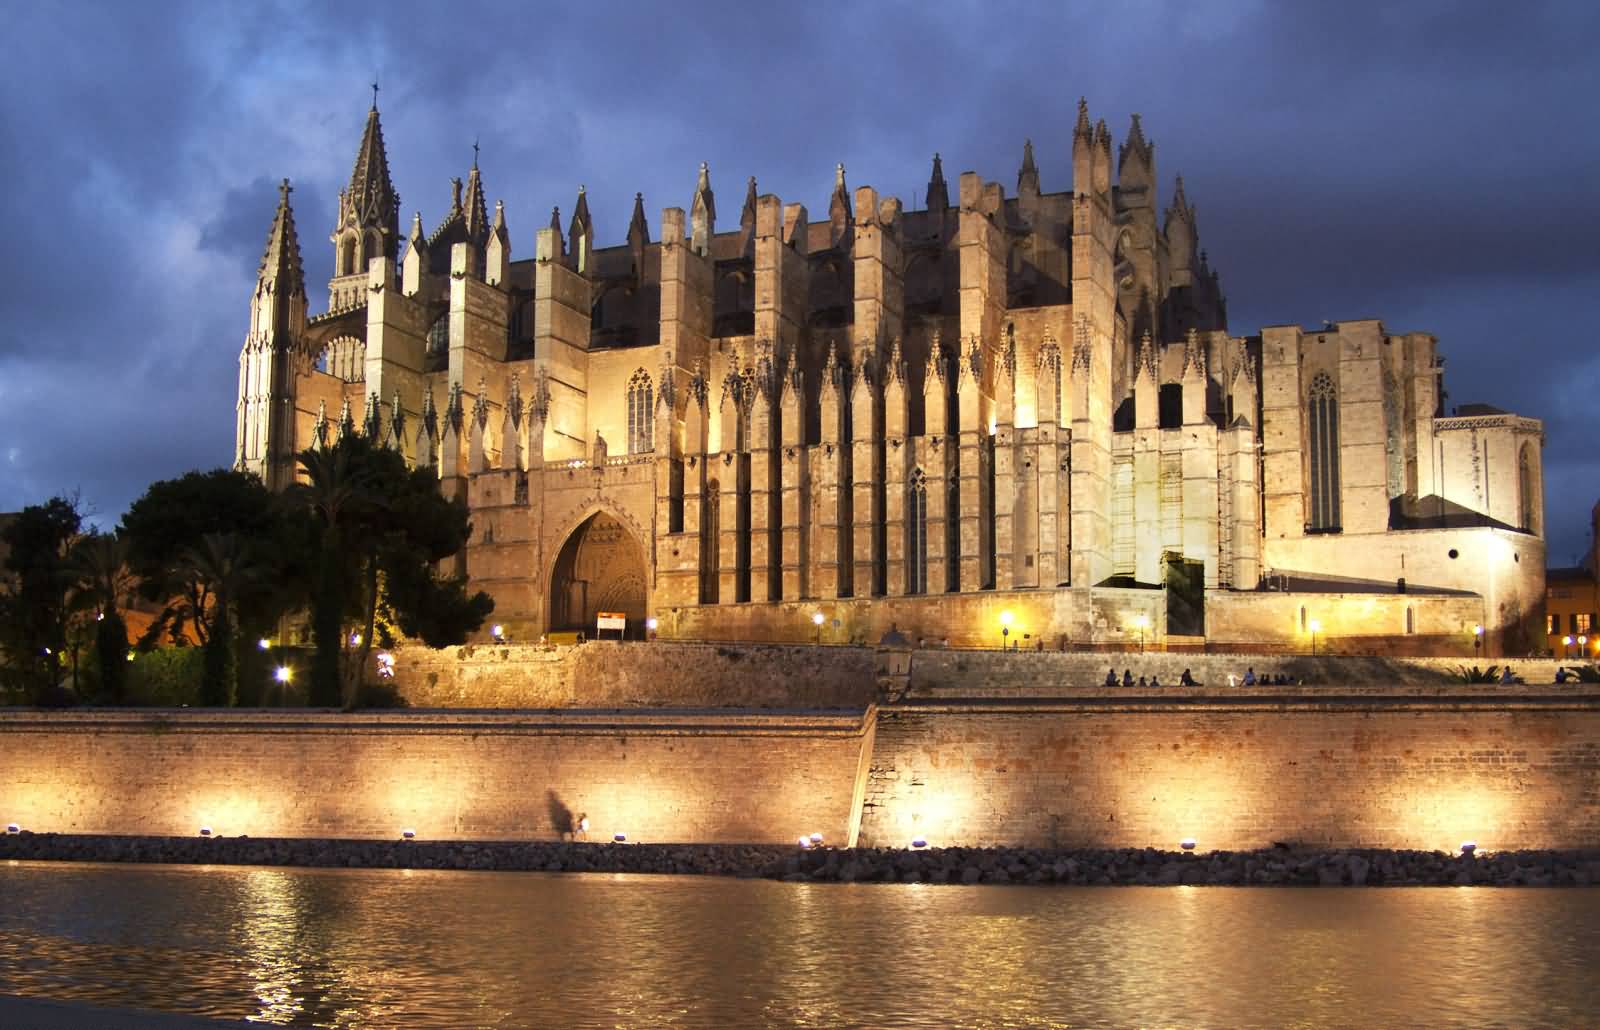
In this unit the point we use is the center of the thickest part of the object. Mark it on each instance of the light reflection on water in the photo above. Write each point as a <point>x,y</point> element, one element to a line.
<point>383,948</point>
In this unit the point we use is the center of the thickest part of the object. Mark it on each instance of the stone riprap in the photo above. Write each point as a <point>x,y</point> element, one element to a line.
<point>1279,866</point>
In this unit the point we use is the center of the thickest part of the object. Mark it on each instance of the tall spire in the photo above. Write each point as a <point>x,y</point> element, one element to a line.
<point>477,210</point>
<point>555,227</point>
<point>841,192</point>
<point>582,225</point>
<point>747,215</point>
<point>1028,175</point>
<point>371,199</point>
<point>1083,130</point>
<point>938,191</point>
<point>280,264</point>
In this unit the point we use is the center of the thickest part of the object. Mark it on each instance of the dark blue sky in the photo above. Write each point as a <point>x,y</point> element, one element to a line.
<point>1430,164</point>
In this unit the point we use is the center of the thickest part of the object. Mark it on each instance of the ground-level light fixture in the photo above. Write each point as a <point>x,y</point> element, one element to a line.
<point>816,838</point>
<point>13,828</point>
<point>264,644</point>
<point>805,842</point>
<point>408,834</point>
<point>619,838</point>
<point>817,619</point>
<point>651,624</point>
<point>1187,844</point>
<point>497,631</point>
<point>283,674</point>
<point>583,824</point>
<point>1468,847</point>
<point>919,842</point>
<point>205,831</point>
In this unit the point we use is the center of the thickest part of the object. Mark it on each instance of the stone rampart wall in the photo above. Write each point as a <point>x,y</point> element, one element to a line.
<point>1503,772</point>
<point>656,776</point>
<point>606,674</point>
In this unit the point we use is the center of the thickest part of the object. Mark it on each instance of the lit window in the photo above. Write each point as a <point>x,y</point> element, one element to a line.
<point>917,530</point>
<point>1322,415</point>
<point>640,413</point>
<point>1581,622</point>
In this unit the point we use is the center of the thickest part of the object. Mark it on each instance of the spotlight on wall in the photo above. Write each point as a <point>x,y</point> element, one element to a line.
<point>282,674</point>
<point>1187,844</point>
<point>205,831</point>
<point>583,825</point>
<point>264,644</point>
<point>408,834</point>
<point>805,842</point>
<point>619,838</point>
<point>1468,847</point>
<point>497,631</point>
<point>919,842</point>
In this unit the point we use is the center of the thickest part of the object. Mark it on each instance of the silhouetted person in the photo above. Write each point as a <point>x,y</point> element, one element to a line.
<point>1505,675</point>
<point>1187,679</point>
<point>1142,682</point>
<point>1250,676</point>
<point>1561,674</point>
<point>1127,677</point>
<point>1111,678</point>
<point>1155,681</point>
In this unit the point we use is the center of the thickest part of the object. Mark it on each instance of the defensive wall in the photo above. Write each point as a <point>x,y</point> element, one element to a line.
<point>986,748</point>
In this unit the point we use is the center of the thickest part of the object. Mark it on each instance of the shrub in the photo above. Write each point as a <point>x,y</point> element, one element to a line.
<point>380,695</point>
<point>168,677</point>
<point>1477,675</point>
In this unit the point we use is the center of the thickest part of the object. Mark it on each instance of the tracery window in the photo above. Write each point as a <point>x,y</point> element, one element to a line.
<point>439,335</point>
<point>1322,415</point>
<point>917,535</point>
<point>640,409</point>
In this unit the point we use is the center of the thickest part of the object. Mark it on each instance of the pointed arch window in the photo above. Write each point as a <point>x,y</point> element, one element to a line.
<point>641,397</point>
<point>1322,415</point>
<point>917,535</point>
<point>1527,494</point>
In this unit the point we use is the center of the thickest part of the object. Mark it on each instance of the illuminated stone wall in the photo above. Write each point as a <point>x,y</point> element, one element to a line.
<point>655,776</point>
<point>1374,772</point>
<point>605,674</point>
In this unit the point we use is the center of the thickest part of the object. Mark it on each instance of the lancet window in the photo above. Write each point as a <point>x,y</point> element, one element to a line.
<point>917,534</point>
<point>641,405</point>
<point>1322,414</point>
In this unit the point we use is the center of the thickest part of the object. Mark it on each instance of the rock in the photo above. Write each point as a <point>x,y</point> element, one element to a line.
<point>971,874</point>
<point>1358,870</point>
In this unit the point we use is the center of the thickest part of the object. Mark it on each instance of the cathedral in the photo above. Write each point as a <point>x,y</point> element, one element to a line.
<point>998,420</point>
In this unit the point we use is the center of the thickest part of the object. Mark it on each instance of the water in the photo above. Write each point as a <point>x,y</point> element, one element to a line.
<point>350,948</point>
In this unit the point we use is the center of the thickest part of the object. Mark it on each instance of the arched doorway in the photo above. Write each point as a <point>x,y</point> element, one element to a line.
<point>600,569</point>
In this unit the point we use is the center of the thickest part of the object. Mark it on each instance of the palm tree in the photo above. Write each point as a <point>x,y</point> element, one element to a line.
<point>98,562</point>
<point>336,494</point>
<point>226,566</point>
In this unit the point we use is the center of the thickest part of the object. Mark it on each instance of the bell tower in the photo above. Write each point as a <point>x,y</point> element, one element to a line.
<point>265,439</point>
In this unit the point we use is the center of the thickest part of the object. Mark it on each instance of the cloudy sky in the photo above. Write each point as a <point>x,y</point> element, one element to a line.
<point>1431,164</point>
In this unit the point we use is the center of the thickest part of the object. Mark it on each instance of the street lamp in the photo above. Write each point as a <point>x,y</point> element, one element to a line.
<point>1583,647</point>
<point>1315,627</point>
<point>1143,622</point>
<point>1566,642</point>
<point>1477,640</point>
<point>1006,618</point>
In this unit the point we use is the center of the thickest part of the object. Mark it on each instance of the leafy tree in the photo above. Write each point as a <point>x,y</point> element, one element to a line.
<point>384,528</point>
<point>225,568</point>
<point>166,527</point>
<point>36,608</point>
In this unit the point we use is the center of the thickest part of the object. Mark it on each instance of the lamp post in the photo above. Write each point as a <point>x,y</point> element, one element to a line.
<point>1583,647</point>
<point>1315,627</point>
<point>817,621</point>
<point>1477,641</point>
<point>1566,643</point>
<point>1006,618</point>
<point>1143,622</point>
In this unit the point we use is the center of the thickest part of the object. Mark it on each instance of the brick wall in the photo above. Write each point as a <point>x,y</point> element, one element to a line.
<point>657,776</point>
<point>1235,775</point>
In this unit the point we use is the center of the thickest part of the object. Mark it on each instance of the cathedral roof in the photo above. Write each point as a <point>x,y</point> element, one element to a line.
<point>280,264</point>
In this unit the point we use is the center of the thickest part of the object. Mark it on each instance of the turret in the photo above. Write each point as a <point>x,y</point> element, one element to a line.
<point>1028,174</point>
<point>702,213</point>
<point>1082,151</point>
<point>839,214</point>
<point>638,235</point>
<point>497,254</point>
<point>938,191</point>
<point>580,236</point>
<point>1136,168</point>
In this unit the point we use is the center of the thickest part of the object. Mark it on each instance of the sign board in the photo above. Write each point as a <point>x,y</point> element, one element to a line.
<point>611,620</point>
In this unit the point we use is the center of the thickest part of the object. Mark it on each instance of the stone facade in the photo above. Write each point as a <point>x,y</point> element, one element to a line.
<point>1034,397</point>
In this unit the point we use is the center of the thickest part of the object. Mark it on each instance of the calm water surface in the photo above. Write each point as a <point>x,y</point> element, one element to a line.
<point>446,949</point>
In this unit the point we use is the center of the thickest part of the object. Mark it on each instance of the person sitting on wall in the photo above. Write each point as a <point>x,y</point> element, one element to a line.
<point>1505,675</point>
<point>1250,676</point>
<point>1561,674</point>
<point>1142,683</point>
<point>1111,678</point>
<point>1127,677</point>
<point>1155,681</point>
<point>1187,679</point>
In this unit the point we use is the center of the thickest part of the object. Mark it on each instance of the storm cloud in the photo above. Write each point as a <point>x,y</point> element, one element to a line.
<point>1429,164</point>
